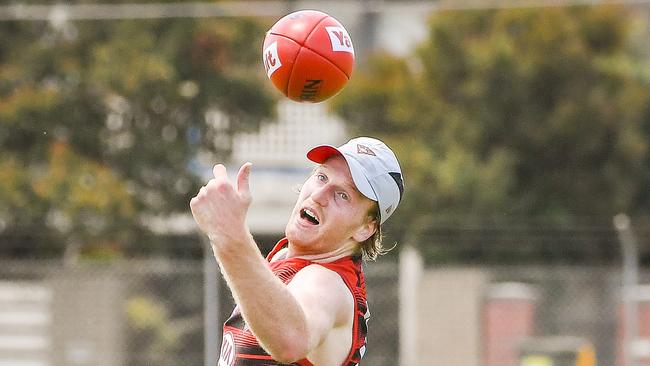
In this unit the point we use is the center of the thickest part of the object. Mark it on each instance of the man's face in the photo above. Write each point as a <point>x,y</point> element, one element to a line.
<point>330,212</point>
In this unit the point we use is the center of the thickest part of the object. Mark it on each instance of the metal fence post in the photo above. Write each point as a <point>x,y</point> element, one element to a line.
<point>410,270</point>
<point>211,329</point>
<point>630,282</point>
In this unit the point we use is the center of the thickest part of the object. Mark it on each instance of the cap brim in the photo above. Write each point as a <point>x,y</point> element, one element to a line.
<point>321,153</point>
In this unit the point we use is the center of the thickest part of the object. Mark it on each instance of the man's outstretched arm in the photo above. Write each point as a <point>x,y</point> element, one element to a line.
<point>288,322</point>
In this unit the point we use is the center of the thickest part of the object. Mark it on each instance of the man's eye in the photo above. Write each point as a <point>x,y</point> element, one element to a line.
<point>344,196</point>
<point>321,177</point>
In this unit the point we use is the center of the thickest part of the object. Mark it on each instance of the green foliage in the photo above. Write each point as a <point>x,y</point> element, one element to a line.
<point>154,338</point>
<point>101,123</point>
<point>514,112</point>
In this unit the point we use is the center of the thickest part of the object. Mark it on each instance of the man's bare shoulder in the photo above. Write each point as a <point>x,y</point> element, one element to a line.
<point>324,287</point>
<point>317,274</point>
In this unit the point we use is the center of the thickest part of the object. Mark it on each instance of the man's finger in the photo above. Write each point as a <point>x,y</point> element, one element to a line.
<point>219,171</point>
<point>243,177</point>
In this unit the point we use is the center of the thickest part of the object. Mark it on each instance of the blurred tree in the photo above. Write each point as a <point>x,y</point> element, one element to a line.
<point>153,337</point>
<point>535,113</point>
<point>103,124</point>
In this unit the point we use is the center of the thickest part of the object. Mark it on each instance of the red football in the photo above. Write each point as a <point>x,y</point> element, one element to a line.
<point>308,55</point>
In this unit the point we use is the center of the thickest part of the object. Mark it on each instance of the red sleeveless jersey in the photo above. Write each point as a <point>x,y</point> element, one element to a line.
<point>240,347</point>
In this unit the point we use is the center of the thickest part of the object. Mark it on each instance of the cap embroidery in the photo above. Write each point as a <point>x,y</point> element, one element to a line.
<point>389,209</point>
<point>362,149</point>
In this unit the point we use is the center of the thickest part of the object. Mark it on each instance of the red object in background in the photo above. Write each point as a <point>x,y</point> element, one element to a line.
<point>642,346</point>
<point>308,55</point>
<point>508,318</point>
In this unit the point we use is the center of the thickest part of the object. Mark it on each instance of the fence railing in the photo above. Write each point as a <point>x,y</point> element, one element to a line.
<point>423,311</point>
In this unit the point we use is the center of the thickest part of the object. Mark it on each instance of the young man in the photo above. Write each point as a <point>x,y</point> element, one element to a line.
<point>305,304</point>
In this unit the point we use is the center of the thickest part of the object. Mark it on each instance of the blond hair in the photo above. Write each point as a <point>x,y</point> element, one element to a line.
<point>372,247</point>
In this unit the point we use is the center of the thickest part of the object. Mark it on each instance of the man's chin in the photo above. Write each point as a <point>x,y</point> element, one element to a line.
<point>301,227</point>
<point>294,236</point>
<point>298,237</point>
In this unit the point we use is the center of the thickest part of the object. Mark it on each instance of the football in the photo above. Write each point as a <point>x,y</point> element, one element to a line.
<point>308,56</point>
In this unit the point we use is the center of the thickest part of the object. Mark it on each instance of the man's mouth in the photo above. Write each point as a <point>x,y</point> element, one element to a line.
<point>309,215</point>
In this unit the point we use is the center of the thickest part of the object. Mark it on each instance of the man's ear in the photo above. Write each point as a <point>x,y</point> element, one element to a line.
<point>366,230</point>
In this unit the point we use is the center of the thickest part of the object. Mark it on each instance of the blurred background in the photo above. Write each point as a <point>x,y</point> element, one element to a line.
<point>522,128</point>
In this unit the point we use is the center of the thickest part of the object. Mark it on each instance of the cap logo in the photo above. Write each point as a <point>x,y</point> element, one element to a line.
<point>389,209</point>
<point>362,149</point>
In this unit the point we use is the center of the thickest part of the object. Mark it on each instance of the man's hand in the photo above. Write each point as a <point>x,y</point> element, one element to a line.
<point>220,209</point>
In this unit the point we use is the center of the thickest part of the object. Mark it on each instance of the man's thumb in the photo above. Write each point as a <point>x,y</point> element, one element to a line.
<point>243,186</point>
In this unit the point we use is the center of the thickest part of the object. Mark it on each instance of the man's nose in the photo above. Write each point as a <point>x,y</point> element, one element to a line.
<point>320,195</point>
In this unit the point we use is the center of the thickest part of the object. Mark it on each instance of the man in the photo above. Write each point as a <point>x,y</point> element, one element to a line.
<point>305,304</point>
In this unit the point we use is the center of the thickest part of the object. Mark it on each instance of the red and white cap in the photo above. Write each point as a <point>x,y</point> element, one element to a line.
<point>374,167</point>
